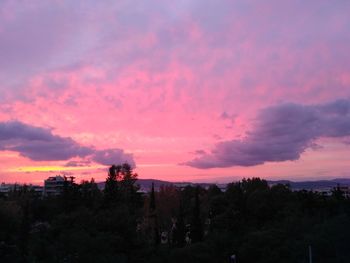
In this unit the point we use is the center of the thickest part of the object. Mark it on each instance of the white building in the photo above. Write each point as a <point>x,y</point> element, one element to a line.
<point>53,185</point>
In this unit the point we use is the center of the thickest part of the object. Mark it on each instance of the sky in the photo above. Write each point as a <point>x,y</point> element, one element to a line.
<point>186,90</point>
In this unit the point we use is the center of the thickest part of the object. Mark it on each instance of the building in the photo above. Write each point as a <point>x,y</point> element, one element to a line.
<point>5,189</point>
<point>344,189</point>
<point>54,185</point>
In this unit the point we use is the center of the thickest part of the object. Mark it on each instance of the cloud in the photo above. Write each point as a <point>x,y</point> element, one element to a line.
<point>113,156</point>
<point>92,68</point>
<point>226,116</point>
<point>82,163</point>
<point>52,34</point>
<point>39,144</point>
<point>199,152</point>
<point>280,133</point>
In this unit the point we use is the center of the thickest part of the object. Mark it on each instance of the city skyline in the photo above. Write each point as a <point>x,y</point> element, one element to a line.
<point>195,91</point>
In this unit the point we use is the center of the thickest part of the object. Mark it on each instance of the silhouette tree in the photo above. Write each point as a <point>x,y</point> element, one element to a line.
<point>90,194</point>
<point>25,196</point>
<point>127,187</point>
<point>70,194</point>
<point>120,186</point>
<point>196,226</point>
<point>153,219</point>
<point>111,191</point>
<point>337,193</point>
<point>180,230</point>
<point>249,219</point>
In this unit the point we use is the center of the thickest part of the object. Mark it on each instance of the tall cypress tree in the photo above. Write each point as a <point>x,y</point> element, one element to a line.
<point>180,228</point>
<point>153,219</point>
<point>127,186</point>
<point>25,224</point>
<point>111,191</point>
<point>196,226</point>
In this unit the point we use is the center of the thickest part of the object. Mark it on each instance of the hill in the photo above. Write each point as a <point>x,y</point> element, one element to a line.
<point>146,184</point>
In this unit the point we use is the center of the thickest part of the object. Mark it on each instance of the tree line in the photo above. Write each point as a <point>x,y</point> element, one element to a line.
<point>251,220</point>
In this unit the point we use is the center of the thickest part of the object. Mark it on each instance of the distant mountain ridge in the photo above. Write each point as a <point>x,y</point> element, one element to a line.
<point>146,184</point>
<point>310,185</point>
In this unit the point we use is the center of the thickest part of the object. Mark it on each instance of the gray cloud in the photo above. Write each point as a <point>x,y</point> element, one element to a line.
<point>199,152</point>
<point>112,156</point>
<point>39,144</point>
<point>281,133</point>
<point>78,163</point>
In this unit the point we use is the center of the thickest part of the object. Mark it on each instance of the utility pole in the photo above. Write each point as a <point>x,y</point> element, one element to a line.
<point>310,254</point>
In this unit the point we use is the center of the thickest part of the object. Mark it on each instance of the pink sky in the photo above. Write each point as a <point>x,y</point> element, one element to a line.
<point>189,91</point>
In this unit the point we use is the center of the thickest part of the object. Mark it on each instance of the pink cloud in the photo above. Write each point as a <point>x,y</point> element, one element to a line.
<point>281,133</point>
<point>153,78</point>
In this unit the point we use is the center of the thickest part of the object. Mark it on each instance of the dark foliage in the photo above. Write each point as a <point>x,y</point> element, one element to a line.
<point>250,219</point>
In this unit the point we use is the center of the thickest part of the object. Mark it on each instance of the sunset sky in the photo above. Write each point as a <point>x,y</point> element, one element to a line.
<point>184,90</point>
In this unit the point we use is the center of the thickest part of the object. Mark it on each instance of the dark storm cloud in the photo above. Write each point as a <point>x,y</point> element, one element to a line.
<point>39,144</point>
<point>281,133</point>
